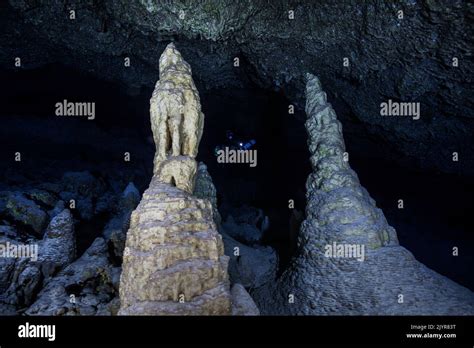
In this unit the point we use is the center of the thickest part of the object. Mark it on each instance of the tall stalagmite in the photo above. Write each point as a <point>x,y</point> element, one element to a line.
<point>387,279</point>
<point>174,262</point>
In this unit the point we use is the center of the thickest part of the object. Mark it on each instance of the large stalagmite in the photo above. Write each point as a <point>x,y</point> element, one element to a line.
<point>387,279</point>
<point>176,120</point>
<point>174,261</point>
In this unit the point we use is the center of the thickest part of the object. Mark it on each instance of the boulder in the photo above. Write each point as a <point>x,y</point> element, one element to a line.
<point>81,183</point>
<point>242,303</point>
<point>205,189</point>
<point>250,266</point>
<point>86,287</point>
<point>42,196</point>
<point>243,232</point>
<point>58,247</point>
<point>22,276</point>
<point>23,210</point>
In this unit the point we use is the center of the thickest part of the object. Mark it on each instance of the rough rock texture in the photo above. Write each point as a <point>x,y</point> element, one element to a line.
<point>174,262</point>
<point>242,303</point>
<point>22,278</point>
<point>47,281</point>
<point>23,210</point>
<point>340,211</point>
<point>177,171</point>
<point>176,120</point>
<point>90,284</point>
<point>409,59</point>
<point>58,248</point>
<point>115,232</point>
<point>251,266</point>
<point>19,280</point>
<point>243,232</point>
<point>173,252</point>
<point>86,191</point>
<point>204,188</point>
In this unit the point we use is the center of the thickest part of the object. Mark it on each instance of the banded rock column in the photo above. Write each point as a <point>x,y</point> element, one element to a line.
<point>388,281</point>
<point>176,120</point>
<point>174,262</point>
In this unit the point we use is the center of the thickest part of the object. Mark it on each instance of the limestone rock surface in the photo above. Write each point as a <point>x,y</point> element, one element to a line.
<point>22,210</point>
<point>389,280</point>
<point>242,303</point>
<point>174,262</point>
<point>205,189</point>
<point>22,277</point>
<point>251,266</point>
<point>175,109</point>
<point>90,284</point>
<point>87,286</point>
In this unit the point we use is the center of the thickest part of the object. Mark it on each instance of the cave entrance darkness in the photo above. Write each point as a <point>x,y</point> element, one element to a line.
<point>282,158</point>
<point>51,146</point>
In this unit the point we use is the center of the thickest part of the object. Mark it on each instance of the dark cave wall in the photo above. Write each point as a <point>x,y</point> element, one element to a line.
<point>407,59</point>
<point>52,145</point>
